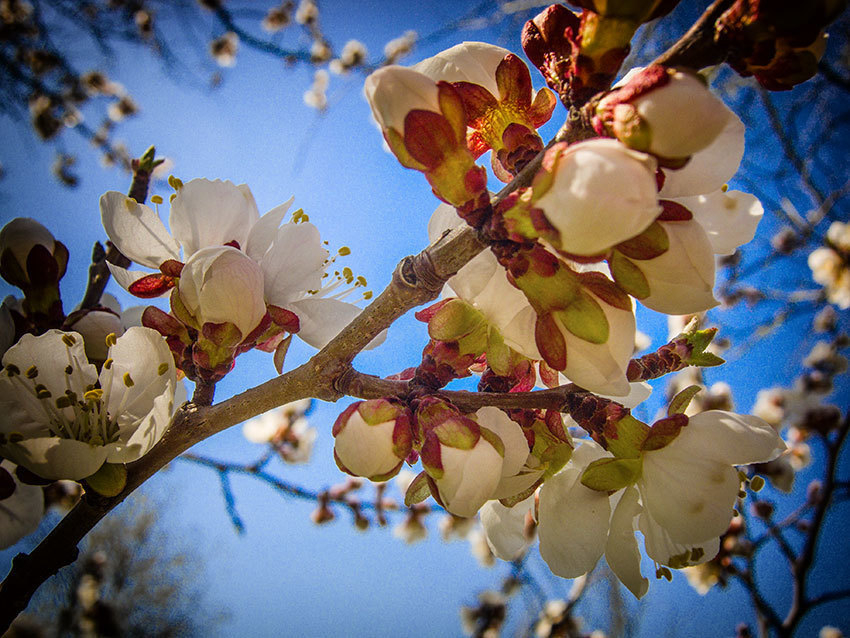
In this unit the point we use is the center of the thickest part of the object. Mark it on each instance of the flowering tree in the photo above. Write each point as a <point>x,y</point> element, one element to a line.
<point>627,203</point>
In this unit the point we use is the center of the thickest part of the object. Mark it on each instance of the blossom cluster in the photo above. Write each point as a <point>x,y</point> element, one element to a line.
<point>635,208</point>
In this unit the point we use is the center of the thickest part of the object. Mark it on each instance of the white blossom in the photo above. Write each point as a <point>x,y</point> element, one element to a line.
<point>62,420</point>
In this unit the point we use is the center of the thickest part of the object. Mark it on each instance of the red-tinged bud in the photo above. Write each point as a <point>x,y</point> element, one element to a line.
<point>372,438</point>
<point>32,260</point>
<point>463,460</point>
<point>666,112</point>
<point>501,109</point>
<point>424,124</point>
<point>550,40</point>
<point>780,43</point>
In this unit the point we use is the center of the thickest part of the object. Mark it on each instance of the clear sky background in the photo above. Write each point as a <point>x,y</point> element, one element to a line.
<point>285,576</point>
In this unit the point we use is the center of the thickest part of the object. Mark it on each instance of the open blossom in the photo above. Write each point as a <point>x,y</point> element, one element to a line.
<point>680,496</point>
<point>61,420</point>
<point>207,214</point>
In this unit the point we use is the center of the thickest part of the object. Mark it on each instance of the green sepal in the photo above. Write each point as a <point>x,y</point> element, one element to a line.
<point>109,480</point>
<point>396,143</point>
<point>455,319</point>
<point>651,243</point>
<point>611,474</point>
<point>459,433</point>
<point>585,318</point>
<point>699,340</point>
<point>680,402</point>
<point>555,458</point>
<point>418,490</point>
<point>625,438</point>
<point>628,276</point>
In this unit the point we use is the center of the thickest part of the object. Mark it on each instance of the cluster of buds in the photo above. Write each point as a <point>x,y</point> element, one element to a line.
<point>830,264</point>
<point>778,43</point>
<point>579,54</point>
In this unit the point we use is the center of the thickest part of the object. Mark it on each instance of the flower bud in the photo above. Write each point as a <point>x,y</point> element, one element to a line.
<point>501,110</point>
<point>32,260</point>
<point>462,459</point>
<point>221,285</point>
<point>666,112</point>
<point>372,438</point>
<point>596,194</point>
<point>424,124</point>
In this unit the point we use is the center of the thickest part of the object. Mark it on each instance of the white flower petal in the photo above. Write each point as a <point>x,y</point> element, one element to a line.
<point>322,319</point>
<point>147,432</point>
<point>136,230</point>
<point>293,264</point>
<point>602,194</point>
<point>474,62</point>
<point>504,528</point>
<point>264,231</point>
<point>470,477</point>
<point>710,168</point>
<point>511,434</point>
<point>393,91</point>
<point>729,219</point>
<point>681,280</point>
<point>621,549</point>
<point>726,437</point>
<point>55,458</point>
<point>133,382</point>
<point>573,519</point>
<point>661,548</point>
<point>690,496</point>
<point>212,213</point>
<point>262,429</point>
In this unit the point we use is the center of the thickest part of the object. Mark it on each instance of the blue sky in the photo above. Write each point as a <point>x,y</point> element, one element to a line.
<point>283,575</point>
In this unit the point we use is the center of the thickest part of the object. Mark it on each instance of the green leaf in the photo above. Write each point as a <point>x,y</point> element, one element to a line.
<point>611,474</point>
<point>626,437</point>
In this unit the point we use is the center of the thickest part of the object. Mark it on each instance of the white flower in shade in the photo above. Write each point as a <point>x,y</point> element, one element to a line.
<point>20,236</point>
<point>21,512</point>
<point>505,527</point>
<point>576,524</point>
<point>222,284</point>
<point>62,420</point>
<point>473,62</point>
<point>599,194</point>
<point>689,487</point>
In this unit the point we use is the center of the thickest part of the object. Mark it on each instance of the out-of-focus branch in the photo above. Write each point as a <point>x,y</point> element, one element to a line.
<point>698,49</point>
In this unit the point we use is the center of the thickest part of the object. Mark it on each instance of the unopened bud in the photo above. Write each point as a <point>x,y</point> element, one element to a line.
<point>372,438</point>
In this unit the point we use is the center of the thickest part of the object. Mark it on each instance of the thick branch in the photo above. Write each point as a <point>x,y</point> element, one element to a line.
<point>698,49</point>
